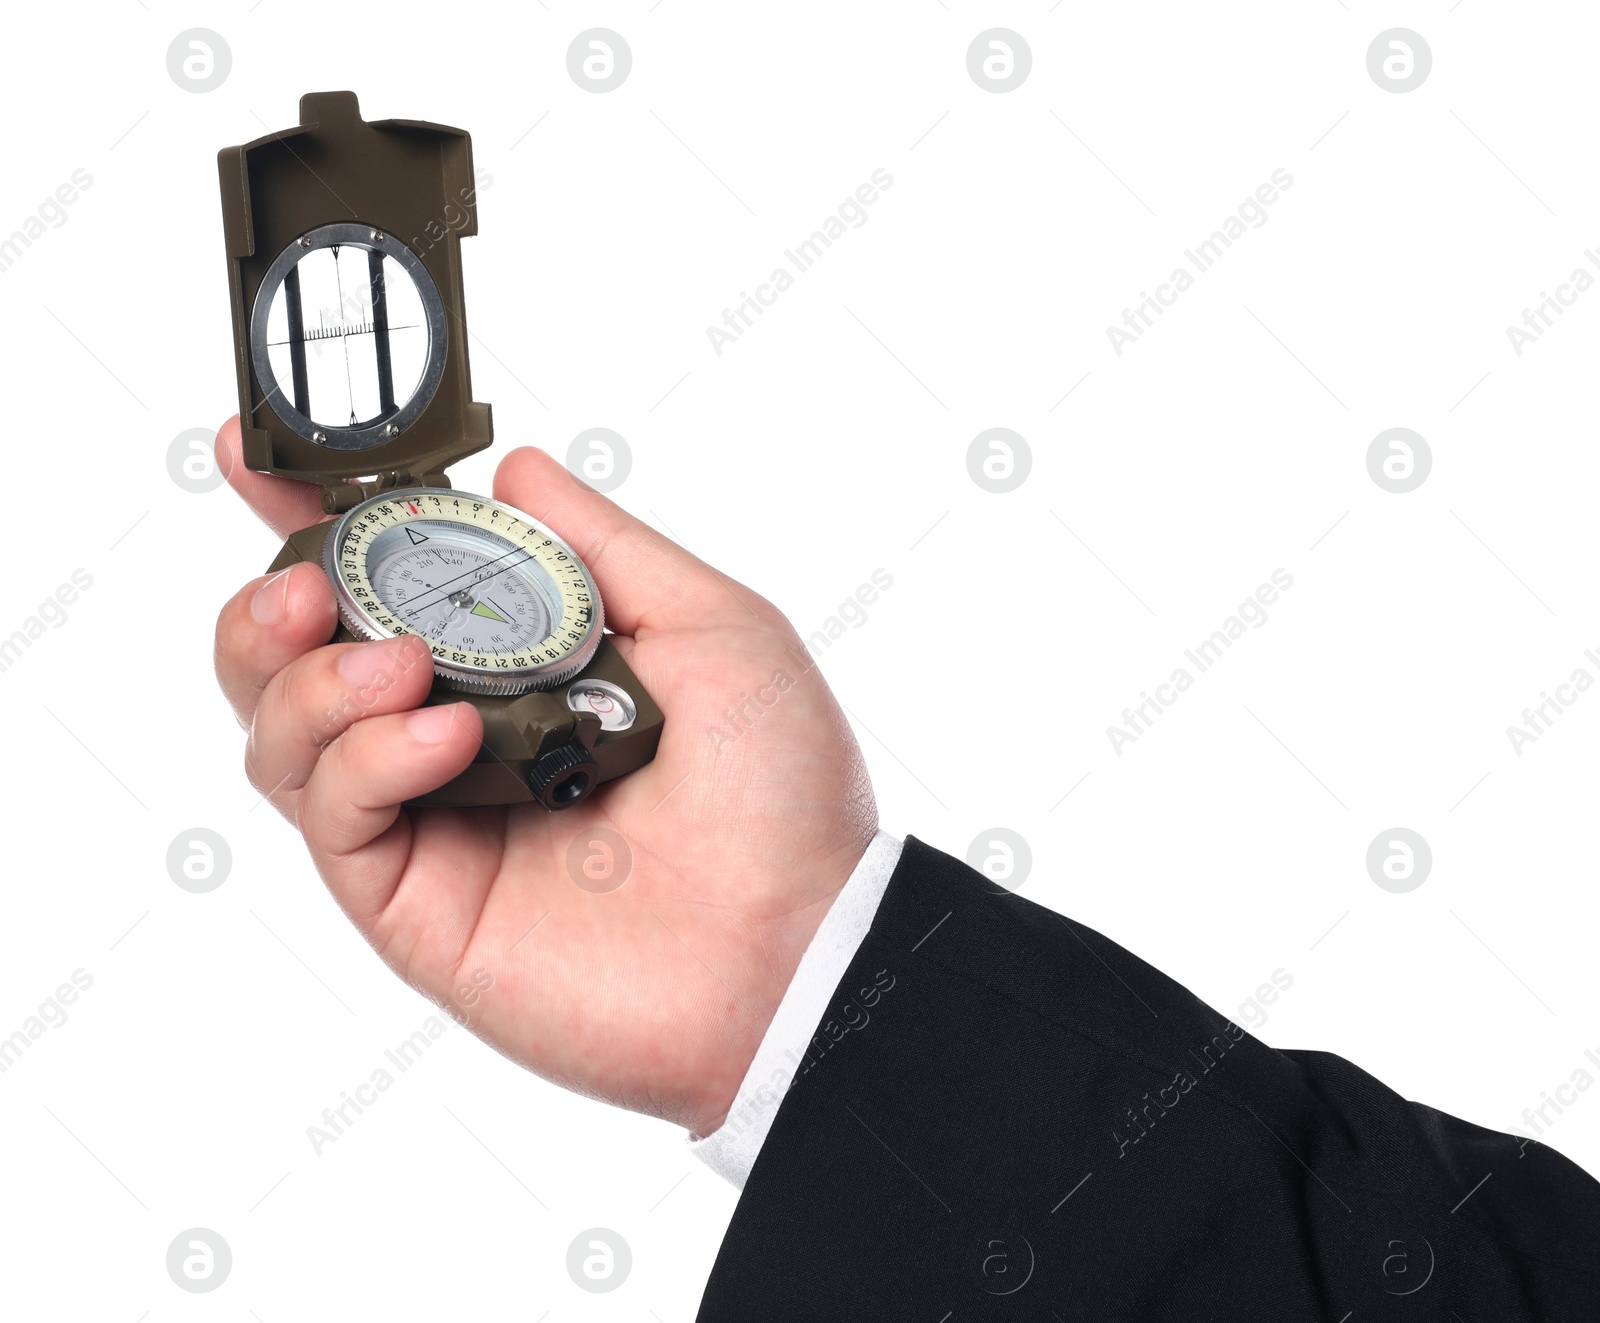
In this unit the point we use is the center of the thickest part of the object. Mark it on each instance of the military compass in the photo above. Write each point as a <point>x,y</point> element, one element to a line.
<point>349,322</point>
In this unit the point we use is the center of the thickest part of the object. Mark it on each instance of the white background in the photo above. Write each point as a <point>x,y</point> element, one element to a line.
<point>1223,445</point>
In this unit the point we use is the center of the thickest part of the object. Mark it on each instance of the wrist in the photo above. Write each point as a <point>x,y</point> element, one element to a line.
<point>733,1133</point>
<point>783,942</point>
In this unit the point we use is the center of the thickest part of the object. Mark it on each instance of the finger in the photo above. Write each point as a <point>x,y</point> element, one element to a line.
<point>319,697</point>
<point>284,505</point>
<point>350,813</point>
<point>266,625</point>
<point>646,580</point>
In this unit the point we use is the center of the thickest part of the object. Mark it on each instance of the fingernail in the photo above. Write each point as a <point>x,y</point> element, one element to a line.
<point>432,725</point>
<point>271,602</point>
<point>366,662</point>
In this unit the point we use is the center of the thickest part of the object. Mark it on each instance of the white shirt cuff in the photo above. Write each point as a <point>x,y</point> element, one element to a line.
<point>731,1149</point>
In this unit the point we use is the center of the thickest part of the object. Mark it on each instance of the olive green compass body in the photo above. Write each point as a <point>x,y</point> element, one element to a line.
<point>350,345</point>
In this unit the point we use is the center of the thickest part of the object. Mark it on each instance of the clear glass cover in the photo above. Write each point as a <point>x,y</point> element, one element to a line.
<point>462,586</point>
<point>347,337</point>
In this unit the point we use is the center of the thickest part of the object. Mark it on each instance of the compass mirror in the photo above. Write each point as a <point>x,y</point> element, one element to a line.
<point>348,337</point>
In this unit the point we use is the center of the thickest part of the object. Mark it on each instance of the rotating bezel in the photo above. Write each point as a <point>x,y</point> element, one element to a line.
<point>492,673</point>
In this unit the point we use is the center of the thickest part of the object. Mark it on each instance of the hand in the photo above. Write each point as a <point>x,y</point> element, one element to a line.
<point>653,996</point>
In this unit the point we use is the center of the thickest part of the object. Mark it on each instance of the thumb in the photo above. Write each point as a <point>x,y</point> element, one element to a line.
<point>645,578</point>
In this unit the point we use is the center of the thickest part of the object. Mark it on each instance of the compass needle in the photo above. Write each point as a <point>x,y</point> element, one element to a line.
<point>344,340</point>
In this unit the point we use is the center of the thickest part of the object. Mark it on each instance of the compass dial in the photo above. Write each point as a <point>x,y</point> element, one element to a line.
<point>503,603</point>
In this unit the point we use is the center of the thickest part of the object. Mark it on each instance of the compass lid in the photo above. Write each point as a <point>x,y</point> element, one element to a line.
<point>349,320</point>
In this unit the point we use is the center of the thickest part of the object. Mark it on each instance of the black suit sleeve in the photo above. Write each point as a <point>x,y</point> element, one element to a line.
<point>1004,1115</point>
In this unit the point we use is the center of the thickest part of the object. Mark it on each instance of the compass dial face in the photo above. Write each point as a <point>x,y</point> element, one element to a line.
<point>503,603</point>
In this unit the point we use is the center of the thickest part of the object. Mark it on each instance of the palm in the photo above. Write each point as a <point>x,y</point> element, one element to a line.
<point>641,983</point>
<point>634,946</point>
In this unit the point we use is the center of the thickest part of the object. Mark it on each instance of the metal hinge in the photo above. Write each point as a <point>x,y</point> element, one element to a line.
<point>350,493</point>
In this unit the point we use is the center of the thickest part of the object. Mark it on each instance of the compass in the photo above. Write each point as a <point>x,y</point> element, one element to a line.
<point>349,319</point>
<point>503,603</point>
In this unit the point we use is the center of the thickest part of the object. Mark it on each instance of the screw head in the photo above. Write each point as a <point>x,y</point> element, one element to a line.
<point>377,236</point>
